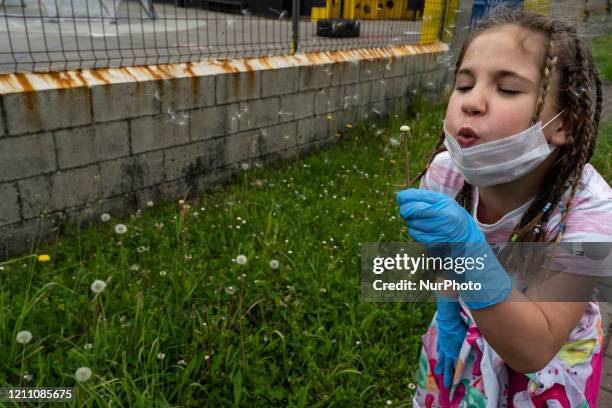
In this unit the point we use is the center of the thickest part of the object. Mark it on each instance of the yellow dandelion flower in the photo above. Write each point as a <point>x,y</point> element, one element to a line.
<point>348,125</point>
<point>392,161</point>
<point>44,258</point>
<point>329,117</point>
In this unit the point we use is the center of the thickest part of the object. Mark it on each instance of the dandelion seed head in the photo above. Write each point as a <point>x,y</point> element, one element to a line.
<point>161,356</point>
<point>120,229</point>
<point>274,264</point>
<point>88,346</point>
<point>411,386</point>
<point>98,286</point>
<point>105,217</point>
<point>150,203</point>
<point>241,259</point>
<point>27,376</point>
<point>82,374</point>
<point>230,290</point>
<point>24,337</point>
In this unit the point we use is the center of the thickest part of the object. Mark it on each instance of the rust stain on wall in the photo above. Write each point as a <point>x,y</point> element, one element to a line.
<point>12,83</point>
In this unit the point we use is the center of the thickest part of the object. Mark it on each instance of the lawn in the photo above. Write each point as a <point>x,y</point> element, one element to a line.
<point>248,294</point>
<point>600,47</point>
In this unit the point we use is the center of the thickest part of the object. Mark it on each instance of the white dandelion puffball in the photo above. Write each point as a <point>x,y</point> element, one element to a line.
<point>24,337</point>
<point>150,203</point>
<point>120,229</point>
<point>274,264</point>
<point>161,356</point>
<point>241,259</point>
<point>245,166</point>
<point>98,286</point>
<point>230,290</point>
<point>82,374</point>
<point>105,217</point>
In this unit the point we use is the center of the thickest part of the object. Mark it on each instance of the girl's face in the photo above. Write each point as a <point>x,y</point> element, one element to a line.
<point>497,87</point>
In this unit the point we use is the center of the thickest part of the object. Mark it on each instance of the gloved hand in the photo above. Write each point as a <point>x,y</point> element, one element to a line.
<point>434,218</point>
<point>451,333</point>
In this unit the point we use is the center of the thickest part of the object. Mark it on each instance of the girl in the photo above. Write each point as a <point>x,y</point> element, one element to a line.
<point>513,179</point>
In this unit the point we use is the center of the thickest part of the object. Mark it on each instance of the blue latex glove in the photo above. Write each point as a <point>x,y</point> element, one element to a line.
<point>434,218</point>
<point>451,333</point>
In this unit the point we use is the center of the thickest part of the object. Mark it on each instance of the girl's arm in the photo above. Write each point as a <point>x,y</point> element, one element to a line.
<point>528,333</point>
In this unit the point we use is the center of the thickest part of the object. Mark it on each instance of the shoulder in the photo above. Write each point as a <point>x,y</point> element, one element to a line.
<point>442,176</point>
<point>589,218</point>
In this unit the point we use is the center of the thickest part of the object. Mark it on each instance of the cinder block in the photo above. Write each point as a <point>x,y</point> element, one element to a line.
<point>278,138</point>
<point>297,106</point>
<point>241,146</point>
<point>2,131</point>
<point>315,76</point>
<point>91,144</point>
<point>356,95</point>
<point>26,156</point>
<point>9,204</point>
<point>215,121</point>
<point>59,191</point>
<point>178,94</point>
<point>279,81</point>
<point>238,86</point>
<point>311,129</point>
<point>125,100</point>
<point>371,70</point>
<point>259,113</point>
<point>378,90</point>
<point>23,236</point>
<point>131,173</point>
<point>395,87</point>
<point>395,67</point>
<point>194,159</point>
<point>328,100</point>
<point>28,112</point>
<point>345,73</point>
<point>160,131</point>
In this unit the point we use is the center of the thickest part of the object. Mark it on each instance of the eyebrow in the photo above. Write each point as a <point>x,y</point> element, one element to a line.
<point>498,74</point>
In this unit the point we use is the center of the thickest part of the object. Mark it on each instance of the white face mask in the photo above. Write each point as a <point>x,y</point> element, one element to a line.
<point>503,160</point>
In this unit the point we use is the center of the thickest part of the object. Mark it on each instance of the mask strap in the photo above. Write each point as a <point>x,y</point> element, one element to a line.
<point>556,116</point>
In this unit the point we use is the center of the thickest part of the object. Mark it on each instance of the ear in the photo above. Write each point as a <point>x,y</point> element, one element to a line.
<point>562,128</point>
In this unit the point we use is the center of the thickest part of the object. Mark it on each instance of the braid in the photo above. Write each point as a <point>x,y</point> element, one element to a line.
<point>549,65</point>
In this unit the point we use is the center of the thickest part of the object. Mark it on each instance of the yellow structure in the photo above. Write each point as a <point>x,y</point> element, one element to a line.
<point>541,6</point>
<point>432,16</point>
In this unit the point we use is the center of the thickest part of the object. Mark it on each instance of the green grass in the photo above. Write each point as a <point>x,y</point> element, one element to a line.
<point>233,334</point>
<point>600,47</point>
<point>298,336</point>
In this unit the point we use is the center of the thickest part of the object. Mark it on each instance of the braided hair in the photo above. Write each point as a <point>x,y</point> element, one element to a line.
<point>568,62</point>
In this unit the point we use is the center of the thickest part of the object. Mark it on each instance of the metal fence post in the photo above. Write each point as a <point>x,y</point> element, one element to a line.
<point>295,16</point>
<point>442,20</point>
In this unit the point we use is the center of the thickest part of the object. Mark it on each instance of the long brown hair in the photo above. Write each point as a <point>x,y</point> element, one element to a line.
<point>568,60</point>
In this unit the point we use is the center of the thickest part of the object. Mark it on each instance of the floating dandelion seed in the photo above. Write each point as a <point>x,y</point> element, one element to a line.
<point>230,290</point>
<point>105,217</point>
<point>161,356</point>
<point>82,374</point>
<point>120,229</point>
<point>274,264</point>
<point>98,286</point>
<point>24,337</point>
<point>241,259</point>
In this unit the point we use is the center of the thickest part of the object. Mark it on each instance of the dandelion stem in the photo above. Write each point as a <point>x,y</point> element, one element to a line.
<point>405,136</point>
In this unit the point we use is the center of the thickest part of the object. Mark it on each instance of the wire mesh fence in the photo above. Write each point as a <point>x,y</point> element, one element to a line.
<point>57,35</point>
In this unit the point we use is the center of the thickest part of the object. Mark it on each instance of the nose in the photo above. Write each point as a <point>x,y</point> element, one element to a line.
<point>474,102</point>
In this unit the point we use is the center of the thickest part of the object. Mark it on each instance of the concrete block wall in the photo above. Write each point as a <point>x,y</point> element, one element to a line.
<point>77,144</point>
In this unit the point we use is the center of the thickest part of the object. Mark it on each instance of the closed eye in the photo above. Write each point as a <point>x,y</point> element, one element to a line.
<point>463,88</point>
<point>509,91</point>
